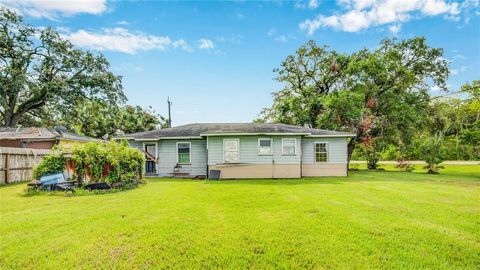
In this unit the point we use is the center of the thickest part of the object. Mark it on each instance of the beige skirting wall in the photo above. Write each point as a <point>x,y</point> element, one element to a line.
<point>241,171</point>
<point>238,171</point>
<point>324,169</point>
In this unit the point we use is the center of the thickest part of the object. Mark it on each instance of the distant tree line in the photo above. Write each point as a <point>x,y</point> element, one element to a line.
<point>382,96</point>
<point>46,81</point>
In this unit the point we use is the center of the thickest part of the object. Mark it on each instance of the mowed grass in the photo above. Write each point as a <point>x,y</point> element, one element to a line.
<point>367,220</point>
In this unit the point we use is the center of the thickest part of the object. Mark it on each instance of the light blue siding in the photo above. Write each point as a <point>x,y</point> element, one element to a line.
<point>337,149</point>
<point>138,145</point>
<point>167,155</point>
<point>249,150</point>
<point>167,152</point>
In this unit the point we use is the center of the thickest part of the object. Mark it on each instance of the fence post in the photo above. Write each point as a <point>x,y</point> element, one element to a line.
<point>7,167</point>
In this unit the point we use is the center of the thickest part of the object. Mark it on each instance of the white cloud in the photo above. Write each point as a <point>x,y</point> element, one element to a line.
<point>123,22</point>
<point>206,44</point>
<point>234,39</point>
<point>122,40</point>
<point>284,38</point>
<point>362,14</point>
<point>311,4</point>
<point>239,15</point>
<point>183,45</point>
<point>53,9</point>
<point>435,88</point>
<point>456,71</point>
<point>271,32</point>
<point>395,29</point>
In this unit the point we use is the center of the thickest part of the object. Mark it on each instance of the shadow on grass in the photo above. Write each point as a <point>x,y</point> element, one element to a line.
<point>354,177</point>
<point>78,192</point>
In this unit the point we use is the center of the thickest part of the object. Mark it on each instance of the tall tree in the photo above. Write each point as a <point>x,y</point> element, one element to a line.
<point>311,73</point>
<point>376,94</point>
<point>38,68</point>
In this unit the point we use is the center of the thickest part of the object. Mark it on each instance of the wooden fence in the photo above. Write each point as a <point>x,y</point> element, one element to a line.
<point>16,164</point>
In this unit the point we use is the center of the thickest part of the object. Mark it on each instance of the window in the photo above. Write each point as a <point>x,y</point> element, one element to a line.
<point>321,152</point>
<point>265,146</point>
<point>183,152</point>
<point>230,150</point>
<point>288,147</point>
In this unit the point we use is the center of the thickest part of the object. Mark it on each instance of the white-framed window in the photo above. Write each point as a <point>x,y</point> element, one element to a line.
<point>321,152</point>
<point>265,146</point>
<point>231,149</point>
<point>289,146</point>
<point>184,152</point>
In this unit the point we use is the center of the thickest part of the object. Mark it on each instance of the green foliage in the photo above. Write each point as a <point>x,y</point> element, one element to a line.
<point>125,164</point>
<point>43,70</point>
<point>52,163</point>
<point>431,151</point>
<point>97,118</point>
<point>381,95</point>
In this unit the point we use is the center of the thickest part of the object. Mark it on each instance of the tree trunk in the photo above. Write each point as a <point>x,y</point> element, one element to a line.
<point>11,120</point>
<point>351,146</point>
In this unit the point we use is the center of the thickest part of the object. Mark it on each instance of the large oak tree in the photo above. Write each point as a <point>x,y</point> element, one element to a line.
<point>380,94</point>
<point>39,68</point>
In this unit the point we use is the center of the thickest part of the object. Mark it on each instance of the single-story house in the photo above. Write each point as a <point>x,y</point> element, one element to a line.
<point>40,138</point>
<point>242,150</point>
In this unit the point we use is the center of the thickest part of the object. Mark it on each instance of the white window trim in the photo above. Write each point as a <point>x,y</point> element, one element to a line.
<point>294,149</point>
<point>223,149</point>
<point>189,157</point>
<point>315,152</point>
<point>271,146</point>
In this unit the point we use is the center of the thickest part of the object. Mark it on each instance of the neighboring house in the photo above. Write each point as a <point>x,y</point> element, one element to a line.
<point>242,150</point>
<point>39,138</point>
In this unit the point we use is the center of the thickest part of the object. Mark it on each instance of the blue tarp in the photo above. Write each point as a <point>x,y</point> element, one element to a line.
<point>52,178</point>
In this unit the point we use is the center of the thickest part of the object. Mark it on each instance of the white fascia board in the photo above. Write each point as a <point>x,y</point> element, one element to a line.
<point>121,138</point>
<point>249,134</point>
<point>332,136</point>
<point>169,138</point>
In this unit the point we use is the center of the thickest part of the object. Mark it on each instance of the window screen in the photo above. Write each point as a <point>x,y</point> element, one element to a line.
<point>230,150</point>
<point>264,146</point>
<point>183,150</point>
<point>288,147</point>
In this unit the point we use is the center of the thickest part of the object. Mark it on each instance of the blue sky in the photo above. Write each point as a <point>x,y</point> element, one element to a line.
<point>215,60</point>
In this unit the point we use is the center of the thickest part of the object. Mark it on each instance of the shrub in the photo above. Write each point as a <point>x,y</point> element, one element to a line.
<point>52,163</point>
<point>124,164</point>
<point>404,165</point>
<point>353,166</point>
<point>431,151</point>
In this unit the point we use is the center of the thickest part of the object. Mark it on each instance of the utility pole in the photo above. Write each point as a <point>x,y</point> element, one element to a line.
<point>169,112</point>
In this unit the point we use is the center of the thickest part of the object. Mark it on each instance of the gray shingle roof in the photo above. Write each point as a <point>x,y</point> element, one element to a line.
<point>202,129</point>
<point>27,133</point>
<point>41,134</point>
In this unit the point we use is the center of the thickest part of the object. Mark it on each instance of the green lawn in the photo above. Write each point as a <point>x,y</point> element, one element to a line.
<point>368,220</point>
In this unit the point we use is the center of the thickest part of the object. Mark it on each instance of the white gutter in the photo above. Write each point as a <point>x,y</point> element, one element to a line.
<point>120,138</point>
<point>258,133</point>
<point>332,135</point>
<point>168,138</point>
